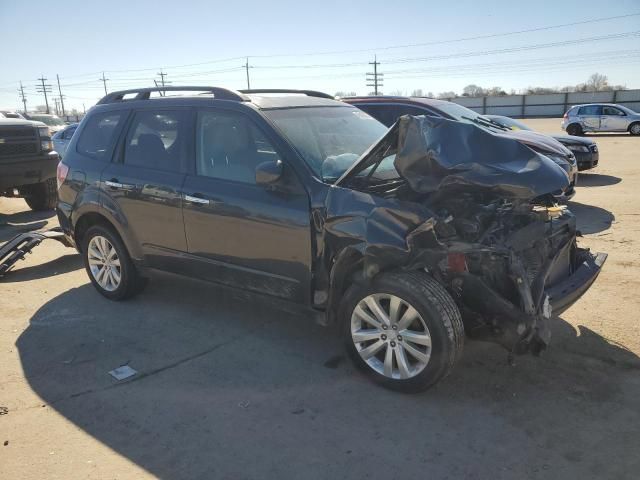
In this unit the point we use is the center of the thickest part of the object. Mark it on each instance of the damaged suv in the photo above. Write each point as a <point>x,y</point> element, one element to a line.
<point>406,238</point>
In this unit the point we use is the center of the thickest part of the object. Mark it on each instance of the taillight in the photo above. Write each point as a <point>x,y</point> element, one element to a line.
<point>457,262</point>
<point>61,174</point>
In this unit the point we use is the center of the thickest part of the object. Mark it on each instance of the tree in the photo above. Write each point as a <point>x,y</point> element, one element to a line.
<point>447,94</point>
<point>597,82</point>
<point>398,93</point>
<point>495,92</point>
<point>472,91</point>
<point>345,94</point>
<point>417,93</point>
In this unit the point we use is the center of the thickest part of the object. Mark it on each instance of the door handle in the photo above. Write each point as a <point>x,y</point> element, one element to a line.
<point>199,200</point>
<point>115,184</point>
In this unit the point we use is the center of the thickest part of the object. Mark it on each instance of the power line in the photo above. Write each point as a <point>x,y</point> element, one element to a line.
<point>382,48</point>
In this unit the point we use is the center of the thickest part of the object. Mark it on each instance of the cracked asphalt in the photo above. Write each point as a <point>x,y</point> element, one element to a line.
<point>232,386</point>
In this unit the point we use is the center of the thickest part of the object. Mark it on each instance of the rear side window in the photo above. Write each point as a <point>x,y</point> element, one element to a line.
<point>230,147</point>
<point>156,139</point>
<point>590,110</point>
<point>97,138</point>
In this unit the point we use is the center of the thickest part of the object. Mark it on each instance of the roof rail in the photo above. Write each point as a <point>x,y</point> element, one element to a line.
<point>309,93</point>
<point>144,93</point>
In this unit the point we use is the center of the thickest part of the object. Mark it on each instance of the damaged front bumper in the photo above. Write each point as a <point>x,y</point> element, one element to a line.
<point>16,248</point>
<point>567,292</point>
<point>524,328</point>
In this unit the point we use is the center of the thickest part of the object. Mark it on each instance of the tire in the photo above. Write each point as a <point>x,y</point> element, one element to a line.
<point>575,129</point>
<point>438,318</point>
<point>94,250</point>
<point>634,128</point>
<point>42,196</point>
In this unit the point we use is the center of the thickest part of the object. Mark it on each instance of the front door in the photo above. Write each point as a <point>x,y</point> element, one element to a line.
<point>145,184</point>
<point>613,119</point>
<point>240,233</point>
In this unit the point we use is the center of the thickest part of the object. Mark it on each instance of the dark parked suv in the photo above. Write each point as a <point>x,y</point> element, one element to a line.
<point>28,163</point>
<point>298,196</point>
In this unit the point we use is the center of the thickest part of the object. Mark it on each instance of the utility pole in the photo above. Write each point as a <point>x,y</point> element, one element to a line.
<point>163,82</point>
<point>84,109</point>
<point>44,89</point>
<point>55,106</point>
<point>23,97</point>
<point>246,66</point>
<point>157,86</point>
<point>104,82</point>
<point>61,96</point>
<point>375,78</point>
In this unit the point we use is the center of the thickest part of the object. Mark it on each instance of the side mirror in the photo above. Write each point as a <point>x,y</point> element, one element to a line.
<point>268,173</point>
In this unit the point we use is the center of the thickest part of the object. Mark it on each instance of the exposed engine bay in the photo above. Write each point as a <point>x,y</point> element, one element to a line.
<point>475,210</point>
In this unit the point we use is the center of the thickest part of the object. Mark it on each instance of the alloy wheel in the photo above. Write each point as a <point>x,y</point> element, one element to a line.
<point>104,263</point>
<point>391,336</point>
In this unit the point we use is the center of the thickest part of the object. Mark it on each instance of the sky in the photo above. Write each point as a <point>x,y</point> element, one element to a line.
<point>433,46</point>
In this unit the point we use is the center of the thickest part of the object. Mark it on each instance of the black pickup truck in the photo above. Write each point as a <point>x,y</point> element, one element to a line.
<point>28,163</point>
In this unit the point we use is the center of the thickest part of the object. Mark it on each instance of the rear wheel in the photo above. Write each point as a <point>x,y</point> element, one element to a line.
<point>109,265</point>
<point>634,128</point>
<point>404,330</point>
<point>574,129</point>
<point>42,196</point>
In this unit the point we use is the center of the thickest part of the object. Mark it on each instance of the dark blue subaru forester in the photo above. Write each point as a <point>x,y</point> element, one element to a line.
<point>407,237</point>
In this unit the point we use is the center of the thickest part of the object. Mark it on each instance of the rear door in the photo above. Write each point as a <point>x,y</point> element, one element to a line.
<point>144,183</point>
<point>590,117</point>
<point>240,233</point>
<point>613,119</point>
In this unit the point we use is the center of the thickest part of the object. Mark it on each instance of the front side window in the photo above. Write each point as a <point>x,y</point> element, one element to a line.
<point>612,111</point>
<point>591,110</point>
<point>329,139</point>
<point>229,146</point>
<point>156,139</point>
<point>97,137</point>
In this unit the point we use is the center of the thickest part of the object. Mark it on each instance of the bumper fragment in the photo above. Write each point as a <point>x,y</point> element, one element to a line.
<point>566,293</point>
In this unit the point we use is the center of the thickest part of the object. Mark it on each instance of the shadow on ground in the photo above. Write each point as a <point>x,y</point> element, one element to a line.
<point>20,222</point>
<point>597,180</point>
<point>231,386</point>
<point>58,266</point>
<point>591,219</point>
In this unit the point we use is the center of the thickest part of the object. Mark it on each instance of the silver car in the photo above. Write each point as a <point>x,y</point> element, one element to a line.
<point>62,138</point>
<point>601,117</point>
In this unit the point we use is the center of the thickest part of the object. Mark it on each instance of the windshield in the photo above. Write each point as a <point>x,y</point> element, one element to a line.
<point>329,139</point>
<point>50,120</point>
<point>508,122</point>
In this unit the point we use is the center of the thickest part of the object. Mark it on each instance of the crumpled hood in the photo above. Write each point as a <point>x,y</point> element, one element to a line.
<point>433,154</point>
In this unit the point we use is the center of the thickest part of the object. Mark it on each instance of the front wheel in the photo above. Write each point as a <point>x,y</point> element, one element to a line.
<point>42,196</point>
<point>574,129</point>
<point>404,330</point>
<point>634,128</point>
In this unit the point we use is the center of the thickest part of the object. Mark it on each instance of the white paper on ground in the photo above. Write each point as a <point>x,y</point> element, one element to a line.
<point>123,372</point>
